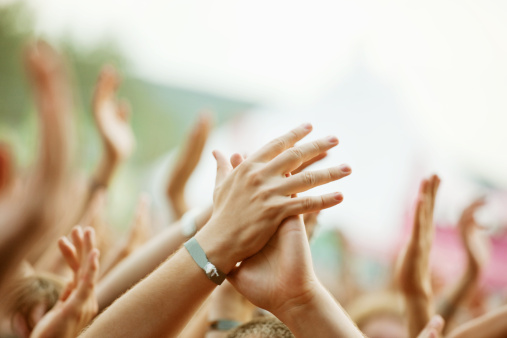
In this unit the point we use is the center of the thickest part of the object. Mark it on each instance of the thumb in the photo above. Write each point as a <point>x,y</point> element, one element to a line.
<point>224,167</point>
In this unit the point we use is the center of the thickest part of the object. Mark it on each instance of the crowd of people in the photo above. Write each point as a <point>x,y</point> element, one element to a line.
<point>240,268</point>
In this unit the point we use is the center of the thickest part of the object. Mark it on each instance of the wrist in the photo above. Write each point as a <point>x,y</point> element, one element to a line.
<point>217,247</point>
<point>294,307</point>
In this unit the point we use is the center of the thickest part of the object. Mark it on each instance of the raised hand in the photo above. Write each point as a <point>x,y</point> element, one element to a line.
<point>140,232</point>
<point>52,93</point>
<point>281,271</point>
<point>112,117</point>
<point>250,203</point>
<point>38,207</point>
<point>258,192</point>
<point>413,269</point>
<point>475,244</point>
<point>186,163</point>
<point>77,304</point>
<point>477,252</point>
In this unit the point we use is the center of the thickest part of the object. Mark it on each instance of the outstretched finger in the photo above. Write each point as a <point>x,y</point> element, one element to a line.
<point>294,157</point>
<point>306,204</point>
<point>86,283</point>
<point>88,241</point>
<point>310,179</point>
<point>236,159</point>
<point>224,167</point>
<point>76,236</point>
<point>280,144</point>
<point>69,253</point>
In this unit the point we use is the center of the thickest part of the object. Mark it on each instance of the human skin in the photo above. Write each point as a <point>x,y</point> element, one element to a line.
<point>250,203</point>
<point>413,272</point>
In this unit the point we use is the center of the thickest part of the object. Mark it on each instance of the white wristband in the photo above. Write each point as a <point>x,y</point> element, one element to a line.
<point>188,222</point>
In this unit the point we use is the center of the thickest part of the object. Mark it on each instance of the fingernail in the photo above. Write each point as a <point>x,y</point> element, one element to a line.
<point>345,169</point>
<point>307,126</point>
<point>338,196</point>
<point>332,139</point>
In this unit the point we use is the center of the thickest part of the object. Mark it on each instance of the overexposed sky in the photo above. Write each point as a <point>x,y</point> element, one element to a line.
<point>433,73</point>
<point>446,60</point>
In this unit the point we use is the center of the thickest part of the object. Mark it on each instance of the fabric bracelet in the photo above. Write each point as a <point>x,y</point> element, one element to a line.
<point>224,324</point>
<point>195,250</point>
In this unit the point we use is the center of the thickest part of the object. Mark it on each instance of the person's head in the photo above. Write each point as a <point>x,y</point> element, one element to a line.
<point>261,327</point>
<point>379,315</point>
<point>30,298</point>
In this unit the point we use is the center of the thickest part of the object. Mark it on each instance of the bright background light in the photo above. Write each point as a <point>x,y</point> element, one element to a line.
<point>408,87</point>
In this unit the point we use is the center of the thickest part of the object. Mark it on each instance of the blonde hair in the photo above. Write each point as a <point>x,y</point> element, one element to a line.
<point>262,327</point>
<point>28,292</point>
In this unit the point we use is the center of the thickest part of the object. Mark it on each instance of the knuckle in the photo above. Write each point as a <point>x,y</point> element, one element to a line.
<point>255,179</point>
<point>279,143</point>
<point>309,178</point>
<point>293,135</point>
<point>307,203</point>
<point>296,153</point>
<point>332,174</point>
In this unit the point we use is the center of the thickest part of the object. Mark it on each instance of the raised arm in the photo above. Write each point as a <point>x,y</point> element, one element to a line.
<point>186,163</point>
<point>144,260</point>
<point>414,266</point>
<point>476,252</point>
<point>249,204</point>
<point>31,212</point>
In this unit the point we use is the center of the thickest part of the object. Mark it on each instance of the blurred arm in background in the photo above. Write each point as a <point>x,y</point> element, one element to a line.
<point>187,161</point>
<point>413,273</point>
<point>476,252</point>
<point>29,215</point>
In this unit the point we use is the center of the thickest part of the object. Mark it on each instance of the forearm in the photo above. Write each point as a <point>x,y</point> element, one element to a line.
<point>319,316</point>
<point>459,293</point>
<point>419,312</point>
<point>490,325</point>
<point>158,306</point>
<point>143,261</point>
<point>198,325</point>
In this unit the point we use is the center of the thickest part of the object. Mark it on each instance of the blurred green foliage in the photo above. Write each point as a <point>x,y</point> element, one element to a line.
<point>160,114</point>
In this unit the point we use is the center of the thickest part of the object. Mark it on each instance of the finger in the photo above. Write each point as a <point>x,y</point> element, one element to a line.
<point>236,159</point>
<point>278,145</point>
<point>481,201</point>
<point>69,253</point>
<point>310,179</point>
<point>294,157</point>
<point>88,242</point>
<point>435,183</point>
<point>418,219</point>
<point>303,205</point>
<point>224,167</point>
<point>76,236</point>
<point>309,163</point>
<point>86,283</point>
